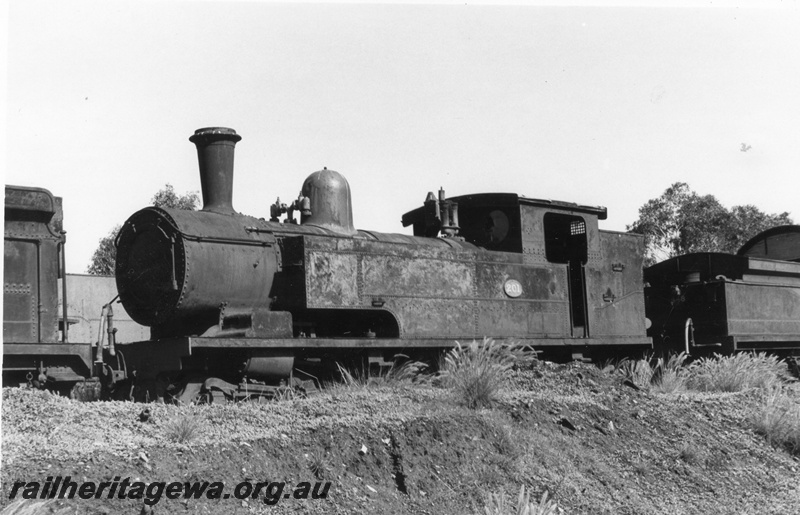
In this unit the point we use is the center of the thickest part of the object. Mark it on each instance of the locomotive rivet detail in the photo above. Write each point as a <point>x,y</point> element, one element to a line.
<point>17,289</point>
<point>34,316</point>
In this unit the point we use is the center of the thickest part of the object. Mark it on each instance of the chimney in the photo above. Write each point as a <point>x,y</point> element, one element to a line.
<point>215,147</point>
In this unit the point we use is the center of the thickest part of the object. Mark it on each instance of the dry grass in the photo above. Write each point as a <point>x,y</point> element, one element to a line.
<point>779,417</point>
<point>476,372</point>
<point>29,507</point>
<point>736,372</point>
<point>183,428</point>
<point>669,375</point>
<point>637,371</point>
<point>398,374</point>
<point>715,374</point>
<point>779,420</point>
<point>499,505</point>
<point>660,375</point>
<point>86,391</point>
<point>317,464</point>
<point>691,455</point>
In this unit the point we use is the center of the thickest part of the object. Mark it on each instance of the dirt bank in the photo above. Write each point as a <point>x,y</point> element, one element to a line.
<point>595,445</point>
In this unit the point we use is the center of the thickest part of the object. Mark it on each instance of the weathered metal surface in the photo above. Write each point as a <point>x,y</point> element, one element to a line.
<point>534,241</point>
<point>330,202</point>
<point>537,282</point>
<point>408,276</point>
<point>768,266</point>
<point>532,318</point>
<point>215,151</point>
<point>26,357</point>
<point>615,286</point>
<point>173,349</point>
<point>762,310</point>
<point>174,265</point>
<point>435,291</point>
<point>735,301</point>
<point>32,240</point>
<point>781,243</point>
<point>38,201</point>
<point>331,279</point>
<point>429,317</point>
<point>273,366</point>
<point>21,294</point>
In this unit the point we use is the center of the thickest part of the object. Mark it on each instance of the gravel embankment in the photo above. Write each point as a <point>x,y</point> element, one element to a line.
<point>594,444</point>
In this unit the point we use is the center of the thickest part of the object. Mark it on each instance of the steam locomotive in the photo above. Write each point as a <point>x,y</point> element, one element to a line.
<point>242,307</point>
<point>242,301</point>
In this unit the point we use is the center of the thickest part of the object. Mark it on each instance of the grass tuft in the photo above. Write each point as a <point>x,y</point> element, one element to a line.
<point>691,455</point>
<point>499,505</point>
<point>736,372</point>
<point>398,374</point>
<point>183,428</point>
<point>715,374</point>
<point>637,371</point>
<point>660,375</point>
<point>317,464</point>
<point>669,375</point>
<point>476,372</point>
<point>28,507</point>
<point>779,420</point>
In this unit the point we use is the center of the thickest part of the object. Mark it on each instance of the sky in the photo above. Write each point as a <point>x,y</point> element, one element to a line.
<point>597,104</point>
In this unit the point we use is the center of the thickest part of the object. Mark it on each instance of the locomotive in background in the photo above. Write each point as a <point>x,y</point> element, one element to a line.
<point>51,319</point>
<point>712,302</point>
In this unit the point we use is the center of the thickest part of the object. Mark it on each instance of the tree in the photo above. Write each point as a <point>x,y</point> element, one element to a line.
<point>680,221</point>
<point>747,221</point>
<point>104,257</point>
<point>166,197</point>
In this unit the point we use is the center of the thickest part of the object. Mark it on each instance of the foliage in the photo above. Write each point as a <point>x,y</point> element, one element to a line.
<point>691,455</point>
<point>476,372</point>
<point>317,464</point>
<point>718,373</point>
<point>498,505</point>
<point>670,374</point>
<point>779,420</point>
<point>183,428</point>
<point>736,372</point>
<point>30,507</point>
<point>637,371</point>
<point>398,373</point>
<point>680,221</point>
<point>104,257</point>
<point>661,375</point>
<point>166,197</point>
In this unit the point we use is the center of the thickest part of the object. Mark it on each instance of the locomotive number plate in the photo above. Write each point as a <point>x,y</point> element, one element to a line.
<point>512,288</point>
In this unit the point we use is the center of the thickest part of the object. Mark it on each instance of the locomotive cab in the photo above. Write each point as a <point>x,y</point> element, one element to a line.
<point>595,276</point>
